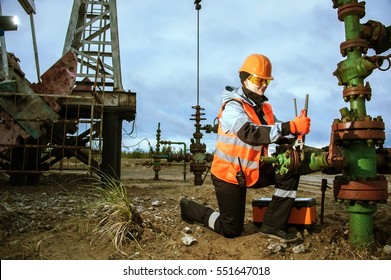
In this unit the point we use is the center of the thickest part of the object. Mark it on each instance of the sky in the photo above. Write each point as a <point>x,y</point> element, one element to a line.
<point>158,48</point>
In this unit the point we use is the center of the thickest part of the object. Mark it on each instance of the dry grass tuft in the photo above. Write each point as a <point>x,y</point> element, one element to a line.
<point>120,223</point>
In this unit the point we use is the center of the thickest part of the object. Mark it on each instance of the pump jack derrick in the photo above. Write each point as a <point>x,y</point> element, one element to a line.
<point>42,123</point>
<point>93,37</point>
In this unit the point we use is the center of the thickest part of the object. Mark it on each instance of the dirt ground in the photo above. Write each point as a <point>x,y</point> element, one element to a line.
<point>56,220</point>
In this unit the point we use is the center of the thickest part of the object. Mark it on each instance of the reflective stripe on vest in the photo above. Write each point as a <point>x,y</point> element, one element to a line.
<point>229,149</point>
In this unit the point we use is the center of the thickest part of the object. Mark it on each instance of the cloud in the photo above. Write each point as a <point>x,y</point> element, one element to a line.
<point>158,44</point>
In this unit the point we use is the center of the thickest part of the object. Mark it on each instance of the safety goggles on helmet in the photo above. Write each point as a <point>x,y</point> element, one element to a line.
<point>258,80</point>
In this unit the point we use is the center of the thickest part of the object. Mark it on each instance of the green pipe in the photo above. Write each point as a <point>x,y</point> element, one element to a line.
<point>358,106</point>
<point>315,159</point>
<point>361,224</point>
<point>269,159</point>
<point>360,154</point>
<point>352,25</point>
<point>318,161</point>
<point>362,162</point>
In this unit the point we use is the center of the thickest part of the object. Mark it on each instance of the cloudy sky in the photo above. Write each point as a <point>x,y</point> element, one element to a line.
<point>158,45</point>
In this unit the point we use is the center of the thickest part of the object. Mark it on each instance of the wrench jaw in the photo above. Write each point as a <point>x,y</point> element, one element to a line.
<point>299,146</point>
<point>299,143</point>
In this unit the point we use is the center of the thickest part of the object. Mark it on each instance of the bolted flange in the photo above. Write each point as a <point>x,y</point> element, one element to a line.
<point>351,9</point>
<point>376,190</point>
<point>359,91</point>
<point>359,130</point>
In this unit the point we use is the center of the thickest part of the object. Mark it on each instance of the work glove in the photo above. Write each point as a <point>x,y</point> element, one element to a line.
<point>300,125</point>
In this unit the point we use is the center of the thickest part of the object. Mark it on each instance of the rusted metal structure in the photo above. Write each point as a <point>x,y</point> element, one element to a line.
<point>72,118</point>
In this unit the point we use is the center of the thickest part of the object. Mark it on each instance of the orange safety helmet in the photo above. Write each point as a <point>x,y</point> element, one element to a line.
<point>259,65</point>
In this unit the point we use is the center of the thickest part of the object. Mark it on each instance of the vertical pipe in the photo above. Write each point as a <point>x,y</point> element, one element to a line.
<point>156,159</point>
<point>4,58</point>
<point>196,148</point>
<point>4,55</point>
<point>35,47</point>
<point>360,153</point>
<point>361,223</point>
<point>111,152</point>
<point>198,8</point>
<point>362,161</point>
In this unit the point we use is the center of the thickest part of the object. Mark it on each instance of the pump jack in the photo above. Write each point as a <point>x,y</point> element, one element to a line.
<point>41,124</point>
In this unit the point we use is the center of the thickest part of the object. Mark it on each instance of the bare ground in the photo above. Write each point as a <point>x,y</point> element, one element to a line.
<point>56,220</point>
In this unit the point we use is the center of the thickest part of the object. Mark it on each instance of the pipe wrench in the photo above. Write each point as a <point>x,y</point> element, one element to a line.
<point>299,143</point>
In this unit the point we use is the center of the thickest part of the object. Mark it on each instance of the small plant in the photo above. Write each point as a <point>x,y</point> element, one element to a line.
<point>120,222</point>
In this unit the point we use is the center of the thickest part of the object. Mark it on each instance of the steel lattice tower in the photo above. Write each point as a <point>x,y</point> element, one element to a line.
<point>93,36</point>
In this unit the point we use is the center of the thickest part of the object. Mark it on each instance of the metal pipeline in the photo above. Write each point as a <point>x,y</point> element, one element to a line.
<point>354,137</point>
<point>184,154</point>
<point>157,156</point>
<point>198,149</point>
<point>357,134</point>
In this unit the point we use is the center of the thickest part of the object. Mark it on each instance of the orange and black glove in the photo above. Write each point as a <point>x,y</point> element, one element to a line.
<point>300,125</point>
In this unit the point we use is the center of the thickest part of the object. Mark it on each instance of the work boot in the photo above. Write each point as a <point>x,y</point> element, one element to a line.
<point>183,204</point>
<point>278,233</point>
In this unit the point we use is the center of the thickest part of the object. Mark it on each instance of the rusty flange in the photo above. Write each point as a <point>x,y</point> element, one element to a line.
<point>361,190</point>
<point>351,9</point>
<point>354,44</point>
<point>364,91</point>
<point>359,130</point>
<point>294,161</point>
<point>198,168</point>
<point>335,158</point>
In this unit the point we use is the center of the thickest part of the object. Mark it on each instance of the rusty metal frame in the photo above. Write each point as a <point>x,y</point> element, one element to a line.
<point>74,152</point>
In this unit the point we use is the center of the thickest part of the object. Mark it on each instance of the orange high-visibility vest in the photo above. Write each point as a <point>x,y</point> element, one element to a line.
<point>229,149</point>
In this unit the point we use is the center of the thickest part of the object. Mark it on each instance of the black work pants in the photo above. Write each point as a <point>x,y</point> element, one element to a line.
<point>232,203</point>
<point>279,208</point>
